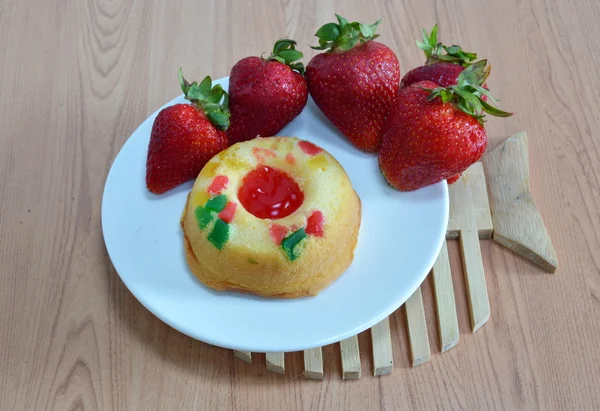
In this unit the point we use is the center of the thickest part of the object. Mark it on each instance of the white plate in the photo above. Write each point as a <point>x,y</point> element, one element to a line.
<point>400,237</point>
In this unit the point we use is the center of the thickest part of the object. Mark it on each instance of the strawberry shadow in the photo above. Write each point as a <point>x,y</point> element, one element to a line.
<point>176,191</point>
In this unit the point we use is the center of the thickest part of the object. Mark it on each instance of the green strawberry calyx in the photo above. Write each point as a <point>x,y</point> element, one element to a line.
<point>212,100</point>
<point>344,35</point>
<point>436,52</point>
<point>284,51</point>
<point>467,94</point>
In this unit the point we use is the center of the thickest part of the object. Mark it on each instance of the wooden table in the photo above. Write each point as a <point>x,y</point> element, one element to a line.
<point>77,77</point>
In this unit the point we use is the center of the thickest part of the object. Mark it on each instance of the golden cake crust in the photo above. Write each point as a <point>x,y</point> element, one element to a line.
<point>250,260</point>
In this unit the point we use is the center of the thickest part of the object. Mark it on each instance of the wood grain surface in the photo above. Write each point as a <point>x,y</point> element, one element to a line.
<point>77,78</point>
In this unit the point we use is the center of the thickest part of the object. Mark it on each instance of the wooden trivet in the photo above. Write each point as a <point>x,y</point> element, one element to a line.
<point>518,224</point>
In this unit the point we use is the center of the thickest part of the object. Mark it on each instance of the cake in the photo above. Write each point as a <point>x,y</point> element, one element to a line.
<point>274,216</point>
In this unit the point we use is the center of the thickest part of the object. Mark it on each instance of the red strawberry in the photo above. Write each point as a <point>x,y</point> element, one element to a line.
<point>185,136</point>
<point>443,63</point>
<point>434,133</point>
<point>266,94</point>
<point>354,81</point>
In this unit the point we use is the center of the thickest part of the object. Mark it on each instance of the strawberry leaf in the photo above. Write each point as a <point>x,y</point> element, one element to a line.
<point>494,111</point>
<point>195,92</point>
<point>436,51</point>
<point>225,100</point>
<point>328,32</point>
<point>342,21</point>
<point>344,35</point>
<point>467,94</point>
<point>484,92</point>
<point>284,52</point>
<point>215,95</point>
<point>282,44</point>
<point>429,45</point>
<point>278,58</point>
<point>185,86</point>
<point>205,85</point>
<point>218,119</point>
<point>208,99</point>
<point>474,75</point>
<point>365,30</point>
<point>299,67</point>
<point>470,101</point>
<point>444,94</point>
<point>290,55</point>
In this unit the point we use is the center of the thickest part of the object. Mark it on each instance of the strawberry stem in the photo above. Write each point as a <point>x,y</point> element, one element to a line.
<point>212,100</point>
<point>436,52</point>
<point>344,35</point>
<point>284,51</point>
<point>467,94</point>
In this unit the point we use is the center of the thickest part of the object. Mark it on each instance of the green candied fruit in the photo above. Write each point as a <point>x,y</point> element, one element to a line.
<point>203,216</point>
<point>219,234</point>
<point>216,204</point>
<point>290,242</point>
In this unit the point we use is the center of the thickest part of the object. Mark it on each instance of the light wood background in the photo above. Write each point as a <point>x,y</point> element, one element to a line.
<point>77,77</point>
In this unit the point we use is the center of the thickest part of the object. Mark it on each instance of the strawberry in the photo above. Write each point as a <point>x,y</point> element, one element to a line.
<point>443,63</point>
<point>355,81</point>
<point>434,133</point>
<point>185,136</point>
<point>266,94</point>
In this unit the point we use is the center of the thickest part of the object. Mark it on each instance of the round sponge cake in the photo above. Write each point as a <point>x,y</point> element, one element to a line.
<point>274,216</point>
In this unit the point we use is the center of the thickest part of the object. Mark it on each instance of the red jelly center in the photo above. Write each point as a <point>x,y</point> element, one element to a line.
<point>270,193</point>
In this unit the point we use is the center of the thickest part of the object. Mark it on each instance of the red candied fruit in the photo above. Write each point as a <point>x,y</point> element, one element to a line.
<point>309,148</point>
<point>277,233</point>
<point>314,224</point>
<point>218,184</point>
<point>228,212</point>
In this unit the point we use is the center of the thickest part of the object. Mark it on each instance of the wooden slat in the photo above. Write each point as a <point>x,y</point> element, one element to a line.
<point>350,358</point>
<point>313,364</point>
<point>245,356</point>
<point>381,337</point>
<point>445,303</point>
<point>417,329</point>
<point>518,223</point>
<point>475,179</point>
<point>275,362</point>
<point>471,255</point>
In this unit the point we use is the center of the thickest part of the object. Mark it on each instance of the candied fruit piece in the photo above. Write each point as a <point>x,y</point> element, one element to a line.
<point>315,224</point>
<point>277,233</point>
<point>228,212</point>
<point>319,162</point>
<point>290,243</point>
<point>203,216</point>
<point>309,148</point>
<point>200,198</point>
<point>216,204</point>
<point>219,234</point>
<point>218,184</point>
